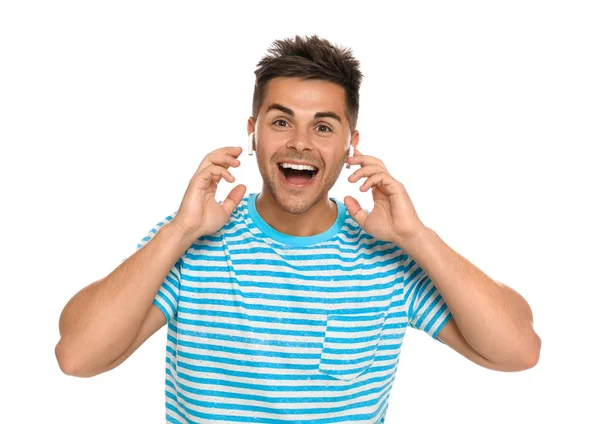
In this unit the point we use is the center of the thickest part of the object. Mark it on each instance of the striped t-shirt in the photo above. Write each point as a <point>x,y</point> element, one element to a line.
<point>269,328</point>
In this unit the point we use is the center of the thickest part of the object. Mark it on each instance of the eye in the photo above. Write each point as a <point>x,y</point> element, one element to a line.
<point>279,120</point>
<point>324,126</point>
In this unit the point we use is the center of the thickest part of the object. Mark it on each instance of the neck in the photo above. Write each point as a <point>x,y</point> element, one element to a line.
<point>318,219</point>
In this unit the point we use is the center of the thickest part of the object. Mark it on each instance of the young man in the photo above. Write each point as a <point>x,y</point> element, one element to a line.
<point>289,305</point>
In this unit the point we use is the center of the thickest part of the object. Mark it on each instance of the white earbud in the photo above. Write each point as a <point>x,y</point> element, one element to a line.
<point>350,155</point>
<point>250,148</point>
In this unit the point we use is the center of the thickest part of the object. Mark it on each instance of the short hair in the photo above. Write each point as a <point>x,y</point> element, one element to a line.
<point>308,58</point>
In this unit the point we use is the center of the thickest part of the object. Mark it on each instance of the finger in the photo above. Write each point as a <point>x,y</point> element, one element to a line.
<point>231,151</point>
<point>363,160</point>
<point>365,171</point>
<point>366,160</point>
<point>206,175</point>
<point>373,180</point>
<point>355,210</point>
<point>216,178</point>
<point>215,170</point>
<point>225,161</point>
<point>234,198</point>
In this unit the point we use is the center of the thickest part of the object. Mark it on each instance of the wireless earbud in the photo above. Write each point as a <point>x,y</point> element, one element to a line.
<point>250,147</point>
<point>350,155</point>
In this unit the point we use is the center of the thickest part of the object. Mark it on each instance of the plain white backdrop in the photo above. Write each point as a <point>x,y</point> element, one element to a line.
<point>489,113</point>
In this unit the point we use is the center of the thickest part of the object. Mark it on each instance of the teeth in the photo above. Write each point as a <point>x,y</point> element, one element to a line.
<point>298,167</point>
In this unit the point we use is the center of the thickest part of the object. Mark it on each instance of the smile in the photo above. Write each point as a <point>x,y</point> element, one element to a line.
<point>297,176</point>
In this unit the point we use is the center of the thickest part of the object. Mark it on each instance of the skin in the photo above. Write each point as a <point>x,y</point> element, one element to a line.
<point>323,142</point>
<point>492,324</point>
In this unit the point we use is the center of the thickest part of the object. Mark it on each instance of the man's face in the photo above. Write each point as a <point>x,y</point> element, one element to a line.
<point>298,122</point>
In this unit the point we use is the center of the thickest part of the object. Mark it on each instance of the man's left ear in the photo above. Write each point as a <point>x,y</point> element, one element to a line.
<point>354,142</point>
<point>351,147</point>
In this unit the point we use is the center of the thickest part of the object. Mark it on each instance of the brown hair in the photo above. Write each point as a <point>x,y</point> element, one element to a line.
<point>310,58</point>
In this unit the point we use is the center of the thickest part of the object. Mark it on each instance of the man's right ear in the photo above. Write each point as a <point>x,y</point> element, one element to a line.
<point>250,140</point>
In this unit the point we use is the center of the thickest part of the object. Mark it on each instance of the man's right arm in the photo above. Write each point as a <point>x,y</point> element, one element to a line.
<point>103,323</point>
<point>110,318</point>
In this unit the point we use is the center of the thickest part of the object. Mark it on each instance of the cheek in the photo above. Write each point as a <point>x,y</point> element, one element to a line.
<point>269,145</point>
<point>336,159</point>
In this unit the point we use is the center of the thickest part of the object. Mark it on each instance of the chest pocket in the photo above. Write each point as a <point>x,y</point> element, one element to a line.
<point>350,344</point>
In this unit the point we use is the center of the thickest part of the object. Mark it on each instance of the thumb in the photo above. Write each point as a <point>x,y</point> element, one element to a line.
<point>356,211</point>
<point>234,198</point>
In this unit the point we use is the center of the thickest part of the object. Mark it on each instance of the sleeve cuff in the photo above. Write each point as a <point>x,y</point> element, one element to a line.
<point>164,310</point>
<point>446,317</point>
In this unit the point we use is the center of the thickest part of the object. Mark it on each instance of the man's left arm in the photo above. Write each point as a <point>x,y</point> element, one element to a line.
<point>491,323</point>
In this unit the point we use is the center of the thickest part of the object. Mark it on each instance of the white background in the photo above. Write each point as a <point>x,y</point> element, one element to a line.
<point>488,113</point>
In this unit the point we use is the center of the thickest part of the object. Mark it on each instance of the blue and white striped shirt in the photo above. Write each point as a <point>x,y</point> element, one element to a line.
<point>268,328</point>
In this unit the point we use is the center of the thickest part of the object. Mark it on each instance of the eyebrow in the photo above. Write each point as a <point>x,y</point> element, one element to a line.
<point>290,112</point>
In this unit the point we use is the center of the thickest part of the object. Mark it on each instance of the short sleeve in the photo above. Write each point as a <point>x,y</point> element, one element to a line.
<point>167,297</point>
<point>427,311</point>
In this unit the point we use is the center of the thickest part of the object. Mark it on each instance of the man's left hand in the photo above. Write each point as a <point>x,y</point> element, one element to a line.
<point>393,217</point>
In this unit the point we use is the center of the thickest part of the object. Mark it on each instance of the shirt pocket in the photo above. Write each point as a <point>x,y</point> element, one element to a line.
<point>350,344</point>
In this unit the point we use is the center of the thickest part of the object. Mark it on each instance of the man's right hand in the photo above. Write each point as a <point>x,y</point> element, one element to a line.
<point>199,213</point>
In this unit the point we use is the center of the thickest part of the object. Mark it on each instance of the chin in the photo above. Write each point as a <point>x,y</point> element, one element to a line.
<point>294,201</point>
<point>297,206</point>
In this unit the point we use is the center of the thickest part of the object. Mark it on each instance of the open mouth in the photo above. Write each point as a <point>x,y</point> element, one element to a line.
<point>297,176</point>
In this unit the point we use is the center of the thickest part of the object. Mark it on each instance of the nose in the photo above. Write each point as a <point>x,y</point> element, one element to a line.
<point>300,140</point>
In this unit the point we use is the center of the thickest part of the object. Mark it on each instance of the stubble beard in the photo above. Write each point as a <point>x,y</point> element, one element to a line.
<point>297,201</point>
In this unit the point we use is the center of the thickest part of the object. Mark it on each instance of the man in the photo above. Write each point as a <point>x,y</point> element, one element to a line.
<point>289,305</point>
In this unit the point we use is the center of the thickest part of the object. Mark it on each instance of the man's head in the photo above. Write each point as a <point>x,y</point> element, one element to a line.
<point>304,109</point>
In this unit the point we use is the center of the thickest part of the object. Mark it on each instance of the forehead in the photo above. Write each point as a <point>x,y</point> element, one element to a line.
<point>305,96</point>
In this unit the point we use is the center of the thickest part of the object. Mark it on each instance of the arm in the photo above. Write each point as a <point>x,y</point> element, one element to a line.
<point>152,323</point>
<point>103,323</point>
<point>492,320</point>
<point>103,320</point>
<point>492,324</point>
<point>452,337</point>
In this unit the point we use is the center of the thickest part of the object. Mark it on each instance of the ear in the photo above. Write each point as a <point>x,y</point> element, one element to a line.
<point>251,141</point>
<point>351,147</point>
<point>355,138</point>
<point>353,143</point>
